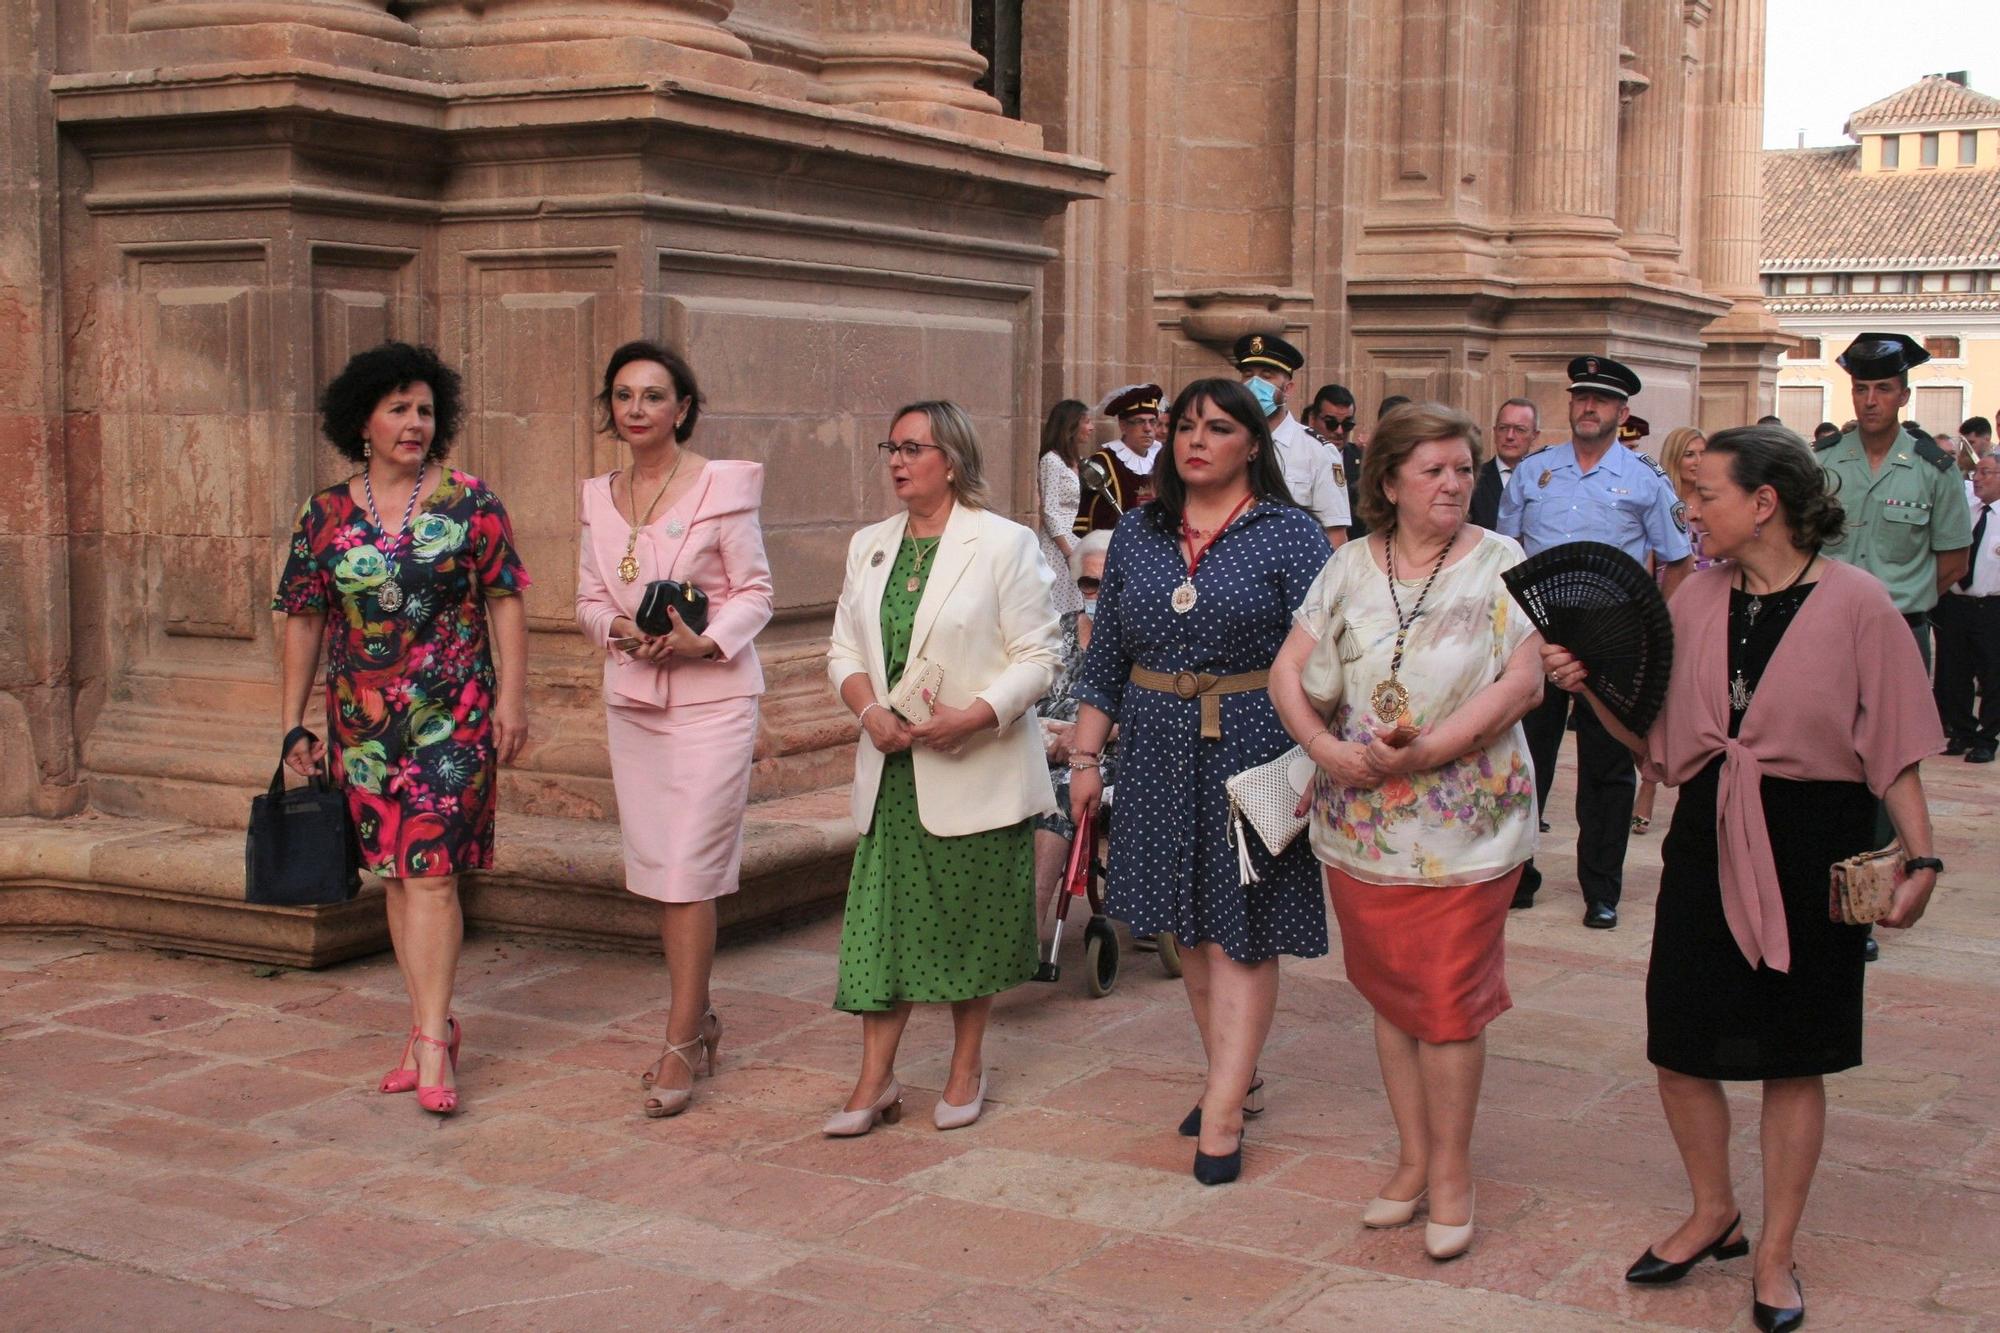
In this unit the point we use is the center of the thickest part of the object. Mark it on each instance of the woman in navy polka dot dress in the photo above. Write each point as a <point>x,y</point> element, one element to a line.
<point>1203,580</point>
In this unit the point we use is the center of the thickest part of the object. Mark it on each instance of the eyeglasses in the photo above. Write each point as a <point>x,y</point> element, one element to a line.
<point>908,452</point>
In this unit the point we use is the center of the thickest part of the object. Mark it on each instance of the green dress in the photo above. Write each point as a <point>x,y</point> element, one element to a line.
<point>930,919</point>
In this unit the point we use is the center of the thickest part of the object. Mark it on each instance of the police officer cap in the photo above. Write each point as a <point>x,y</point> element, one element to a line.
<point>1131,400</point>
<point>1881,356</point>
<point>1269,351</point>
<point>1634,429</point>
<point>1600,374</point>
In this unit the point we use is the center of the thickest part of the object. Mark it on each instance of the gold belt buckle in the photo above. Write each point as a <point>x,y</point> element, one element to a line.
<point>1186,684</point>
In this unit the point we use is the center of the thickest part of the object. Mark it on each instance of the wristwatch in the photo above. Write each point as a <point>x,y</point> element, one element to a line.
<point>1916,863</point>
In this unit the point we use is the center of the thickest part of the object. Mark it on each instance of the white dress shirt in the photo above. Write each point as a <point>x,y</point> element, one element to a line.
<point>1985,560</point>
<point>1308,468</point>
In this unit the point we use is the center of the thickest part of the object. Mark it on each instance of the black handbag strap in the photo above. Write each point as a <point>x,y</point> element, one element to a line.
<point>322,779</point>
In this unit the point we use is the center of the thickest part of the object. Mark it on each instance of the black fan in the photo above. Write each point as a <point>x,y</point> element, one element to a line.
<point>1604,607</point>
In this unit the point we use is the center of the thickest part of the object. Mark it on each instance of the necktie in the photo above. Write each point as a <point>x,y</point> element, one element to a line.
<point>1972,556</point>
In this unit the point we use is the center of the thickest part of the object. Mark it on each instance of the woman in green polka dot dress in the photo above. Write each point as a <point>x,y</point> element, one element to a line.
<point>940,906</point>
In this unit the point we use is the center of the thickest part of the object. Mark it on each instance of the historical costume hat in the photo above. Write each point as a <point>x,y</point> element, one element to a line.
<point>1132,400</point>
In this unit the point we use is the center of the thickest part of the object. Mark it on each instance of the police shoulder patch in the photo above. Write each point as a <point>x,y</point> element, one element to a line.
<point>1926,448</point>
<point>1681,515</point>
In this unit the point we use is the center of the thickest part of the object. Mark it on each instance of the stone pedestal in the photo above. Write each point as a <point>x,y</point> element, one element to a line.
<point>524,186</point>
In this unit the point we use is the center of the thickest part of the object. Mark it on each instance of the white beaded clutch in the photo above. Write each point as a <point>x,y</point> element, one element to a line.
<point>1265,797</point>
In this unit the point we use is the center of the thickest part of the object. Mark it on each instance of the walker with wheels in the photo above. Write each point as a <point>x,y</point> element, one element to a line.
<point>1084,878</point>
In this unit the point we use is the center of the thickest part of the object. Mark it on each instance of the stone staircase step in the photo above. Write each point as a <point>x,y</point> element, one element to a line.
<point>179,885</point>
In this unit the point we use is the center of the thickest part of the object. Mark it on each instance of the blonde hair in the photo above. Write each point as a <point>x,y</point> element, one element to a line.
<point>952,431</point>
<point>1396,437</point>
<point>1671,453</point>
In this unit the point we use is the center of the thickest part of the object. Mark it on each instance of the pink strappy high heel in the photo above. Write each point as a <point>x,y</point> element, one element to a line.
<point>400,1079</point>
<point>439,1100</point>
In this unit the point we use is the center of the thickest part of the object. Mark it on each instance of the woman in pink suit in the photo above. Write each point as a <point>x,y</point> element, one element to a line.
<point>681,707</point>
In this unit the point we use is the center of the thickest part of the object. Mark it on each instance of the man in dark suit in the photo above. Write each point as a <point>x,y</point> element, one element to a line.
<point>1515,427</point>
<point>1332,415</point>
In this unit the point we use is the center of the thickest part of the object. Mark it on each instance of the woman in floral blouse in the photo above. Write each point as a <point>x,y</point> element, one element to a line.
<point>1406,678</point>
<point>408,574</point>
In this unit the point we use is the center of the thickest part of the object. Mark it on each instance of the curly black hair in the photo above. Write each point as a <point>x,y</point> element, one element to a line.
<point>678,370</point>
<point>373,375</point>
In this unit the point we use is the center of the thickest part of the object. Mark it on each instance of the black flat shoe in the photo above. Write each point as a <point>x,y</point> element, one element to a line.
<point>1778,1318</point>
<point>1253,1105</point>
<point>1600,916</point>
<point>1870,950</point>
<point>1652,1270</point>
<point>1219,1170</point>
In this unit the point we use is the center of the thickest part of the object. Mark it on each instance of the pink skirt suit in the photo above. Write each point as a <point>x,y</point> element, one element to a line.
<point>681,732</point>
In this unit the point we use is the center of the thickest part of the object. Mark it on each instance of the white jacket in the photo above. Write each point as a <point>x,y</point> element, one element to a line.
<point>986,619</point>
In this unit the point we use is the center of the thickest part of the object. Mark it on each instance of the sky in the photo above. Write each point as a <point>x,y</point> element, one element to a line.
<point>1826,59</point>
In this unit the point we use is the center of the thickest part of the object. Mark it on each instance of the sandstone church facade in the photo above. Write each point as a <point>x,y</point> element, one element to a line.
<point>210,204</point>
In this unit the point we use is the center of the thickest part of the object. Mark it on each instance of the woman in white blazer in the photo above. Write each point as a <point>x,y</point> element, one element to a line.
<point>940,904</point>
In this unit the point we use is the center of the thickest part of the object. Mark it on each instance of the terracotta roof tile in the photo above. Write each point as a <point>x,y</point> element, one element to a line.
<point>1821,212</point>
<point>1931,100</point>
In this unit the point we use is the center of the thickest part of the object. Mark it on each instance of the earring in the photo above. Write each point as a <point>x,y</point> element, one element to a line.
<point>367,448</point>
<point>1756,531</point>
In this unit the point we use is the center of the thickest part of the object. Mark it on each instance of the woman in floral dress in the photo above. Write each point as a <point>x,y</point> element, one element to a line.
<point>1421,669</point>
<point>408,574</point>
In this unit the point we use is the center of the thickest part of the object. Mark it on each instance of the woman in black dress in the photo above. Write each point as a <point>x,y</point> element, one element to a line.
<point>1797,698</point>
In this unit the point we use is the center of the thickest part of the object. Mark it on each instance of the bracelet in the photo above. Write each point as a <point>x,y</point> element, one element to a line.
<point>1080,762</point>
<point>861,718</point>
<point>1308,746</point>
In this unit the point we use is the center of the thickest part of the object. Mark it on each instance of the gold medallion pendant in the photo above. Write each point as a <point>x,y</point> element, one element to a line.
<point>1390,699</point>
<point>628,568</point>
<point>912,583</point>
<point>1184,598</point>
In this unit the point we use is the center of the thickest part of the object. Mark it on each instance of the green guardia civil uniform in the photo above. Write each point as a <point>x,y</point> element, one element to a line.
<point>1899,516</point>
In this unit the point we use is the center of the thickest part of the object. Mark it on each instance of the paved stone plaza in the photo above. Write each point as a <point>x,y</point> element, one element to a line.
<point>191,1144</point>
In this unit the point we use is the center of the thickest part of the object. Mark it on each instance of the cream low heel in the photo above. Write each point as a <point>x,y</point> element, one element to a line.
<point>946,1116</point>
<point>1384,1212</point>
<point>888,1108</point>
<point>1443,1242</point>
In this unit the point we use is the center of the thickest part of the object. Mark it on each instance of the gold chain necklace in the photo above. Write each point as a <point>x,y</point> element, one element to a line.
<point>924,553</point>
<point>1391,698</point>
<point>628,568</point>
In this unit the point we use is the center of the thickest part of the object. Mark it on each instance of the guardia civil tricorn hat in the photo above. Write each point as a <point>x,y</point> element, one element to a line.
<point>1881,356</point>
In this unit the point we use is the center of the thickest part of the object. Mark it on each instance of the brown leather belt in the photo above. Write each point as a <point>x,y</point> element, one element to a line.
<point>1200,685</point>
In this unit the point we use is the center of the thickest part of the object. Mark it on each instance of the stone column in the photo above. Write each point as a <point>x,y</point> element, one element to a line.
<point>694,24</point>
<point>1739,363</point>
<point>368,18</point>
<point>1566,180</point>
<point>1732,156</point>
<point>893,56</point>
<point>1652,139</point>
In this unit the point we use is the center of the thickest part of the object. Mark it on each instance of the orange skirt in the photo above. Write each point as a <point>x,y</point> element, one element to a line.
<point>1431,960</point>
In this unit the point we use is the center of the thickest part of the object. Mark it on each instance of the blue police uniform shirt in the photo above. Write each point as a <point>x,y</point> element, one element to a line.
<point>1623,502</point>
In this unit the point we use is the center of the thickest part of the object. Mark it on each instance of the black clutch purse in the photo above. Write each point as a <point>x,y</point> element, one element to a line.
<point>301,849</point>
<point>690,601</point>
